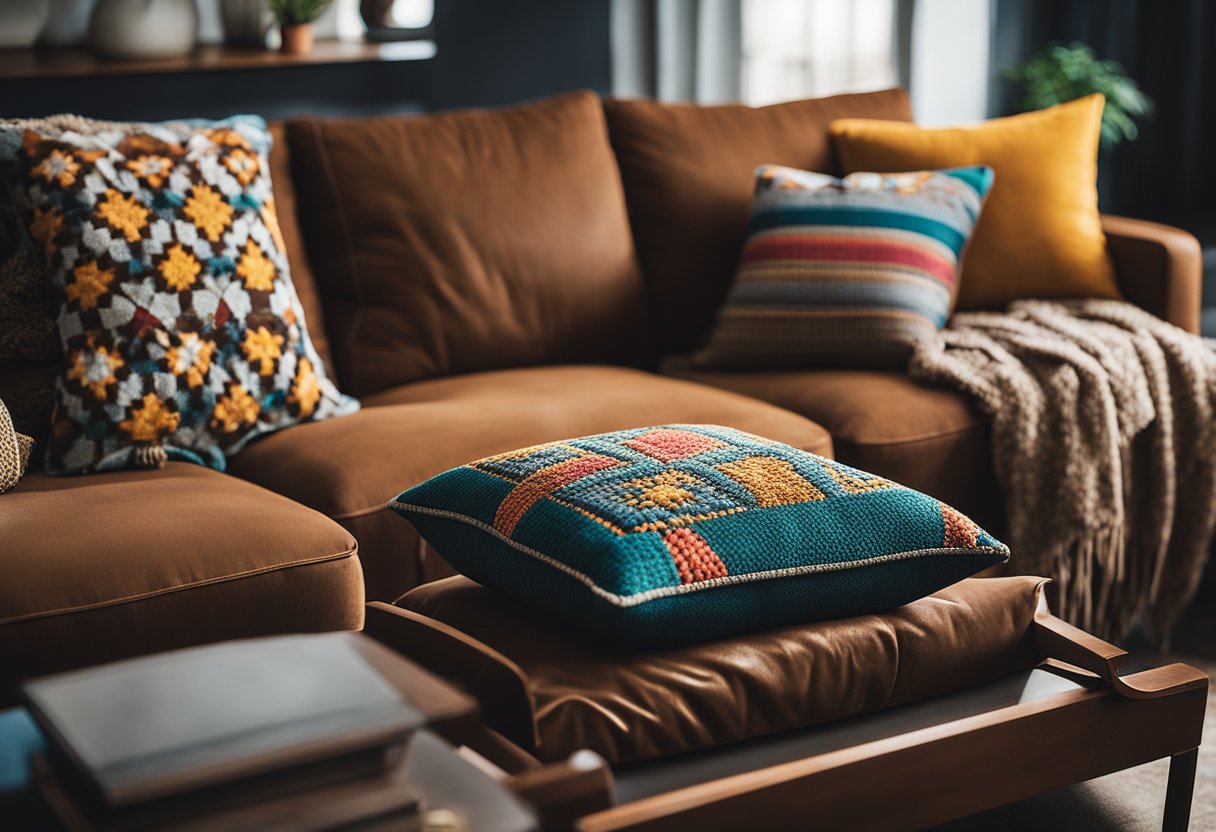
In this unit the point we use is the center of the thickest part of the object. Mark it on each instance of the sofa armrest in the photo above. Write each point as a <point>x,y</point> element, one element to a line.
<point>1159,268</point>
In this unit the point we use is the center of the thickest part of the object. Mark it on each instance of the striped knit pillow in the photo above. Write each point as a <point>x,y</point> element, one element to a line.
<point>846,272</point>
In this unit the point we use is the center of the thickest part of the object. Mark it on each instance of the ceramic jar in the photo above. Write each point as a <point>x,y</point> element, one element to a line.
<point>135,29</point>
<point>21,21</point>
<point>246,22</point>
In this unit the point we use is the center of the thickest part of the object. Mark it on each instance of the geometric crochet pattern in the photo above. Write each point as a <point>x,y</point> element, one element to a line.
<point>183,334</point>
<point>681,532</point>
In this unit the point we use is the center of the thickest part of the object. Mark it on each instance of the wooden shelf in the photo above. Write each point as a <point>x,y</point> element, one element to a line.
<point>26,64</point>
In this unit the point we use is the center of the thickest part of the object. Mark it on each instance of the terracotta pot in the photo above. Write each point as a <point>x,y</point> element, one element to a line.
<point>297,39</point>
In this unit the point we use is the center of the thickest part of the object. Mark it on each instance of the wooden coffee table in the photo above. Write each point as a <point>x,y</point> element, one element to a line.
<point>434,771</point>
<point>1086,711</point>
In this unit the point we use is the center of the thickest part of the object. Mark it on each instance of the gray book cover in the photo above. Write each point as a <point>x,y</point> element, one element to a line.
<point>163,724</point>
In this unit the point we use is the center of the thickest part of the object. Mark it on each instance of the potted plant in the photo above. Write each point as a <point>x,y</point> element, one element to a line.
<point>295,18</point>
<point>1059,73</point>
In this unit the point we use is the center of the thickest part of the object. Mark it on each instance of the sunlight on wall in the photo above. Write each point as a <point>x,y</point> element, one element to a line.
<point>807,48</point>
<point>949,72</point>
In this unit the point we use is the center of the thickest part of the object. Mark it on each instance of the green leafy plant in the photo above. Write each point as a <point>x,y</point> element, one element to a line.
<point>1059,73</point>
<point>295,12</point>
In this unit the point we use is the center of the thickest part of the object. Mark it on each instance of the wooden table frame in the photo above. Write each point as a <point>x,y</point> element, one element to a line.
<point>1119,717</point>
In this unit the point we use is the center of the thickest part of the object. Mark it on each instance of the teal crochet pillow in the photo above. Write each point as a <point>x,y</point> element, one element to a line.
<point>680,533</point>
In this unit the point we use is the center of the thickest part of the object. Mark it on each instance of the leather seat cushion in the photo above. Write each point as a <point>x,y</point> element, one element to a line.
<point>349,468</point>
<point>119,564</point>
<point>630,706</point>
<point>928,438</point>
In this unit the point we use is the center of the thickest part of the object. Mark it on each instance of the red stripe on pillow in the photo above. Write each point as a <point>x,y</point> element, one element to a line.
<point>846,249</point>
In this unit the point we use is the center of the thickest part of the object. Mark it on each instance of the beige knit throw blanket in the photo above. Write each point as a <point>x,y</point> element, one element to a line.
<point>1104,446</point>
<point>14,451</point>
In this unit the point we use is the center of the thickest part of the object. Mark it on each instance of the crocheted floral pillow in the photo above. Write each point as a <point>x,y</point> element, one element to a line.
<point>182,332</point>
<point>681,533</point>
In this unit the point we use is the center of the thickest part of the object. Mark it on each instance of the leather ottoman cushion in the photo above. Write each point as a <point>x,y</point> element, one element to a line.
<point>471,241</point>
<point>639,705</point>
<point>119,564</point>
<point>928,438</point>
<point>351,467</point>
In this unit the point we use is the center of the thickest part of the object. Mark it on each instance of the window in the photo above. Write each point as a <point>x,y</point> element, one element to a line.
<point>808,48</point>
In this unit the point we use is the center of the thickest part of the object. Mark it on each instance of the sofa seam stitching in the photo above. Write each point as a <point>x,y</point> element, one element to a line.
<point>114,602</point>
<point>358,512</point>
<point>943,434</point>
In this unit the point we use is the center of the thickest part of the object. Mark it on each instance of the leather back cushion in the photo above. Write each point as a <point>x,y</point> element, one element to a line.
<point>688,174</point>
<point>469,241</point>
<point>297,259</point>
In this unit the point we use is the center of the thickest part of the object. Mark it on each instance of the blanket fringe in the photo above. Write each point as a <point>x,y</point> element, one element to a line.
<point>1104,444</point>
<point>1093,584</point>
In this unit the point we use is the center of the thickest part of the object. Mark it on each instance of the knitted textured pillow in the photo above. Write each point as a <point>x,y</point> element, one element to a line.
<point>846,272</point>
<point>680,533</point>
<point>181,330</point>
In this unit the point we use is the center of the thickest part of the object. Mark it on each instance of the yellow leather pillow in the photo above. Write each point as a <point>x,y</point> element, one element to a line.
<point>1040,235</point>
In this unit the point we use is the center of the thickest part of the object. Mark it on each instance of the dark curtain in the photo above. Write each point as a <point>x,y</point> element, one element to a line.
<point>1167,46</point>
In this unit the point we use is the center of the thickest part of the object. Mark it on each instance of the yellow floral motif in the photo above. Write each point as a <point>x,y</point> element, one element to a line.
<point>151,420</point>
<point>58,167</point>
<point>229,138</point>
<point>152,169</point>
<point>235,409</point>
<point>256,268</point>
<point>665,490</point>
<point>190,358</point>
<point>271,220</point>
<point>242,165</point>
<point>124,213</point>
<point>46,227</point>
<point>305,391</point>
<point>263,347</point>
<point>208,210</point>
<point>179,268</point>
<point>89,283</point>
<point>93,368</point>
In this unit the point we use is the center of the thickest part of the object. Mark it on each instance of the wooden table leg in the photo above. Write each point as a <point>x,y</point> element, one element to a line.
<point>1179,790</point>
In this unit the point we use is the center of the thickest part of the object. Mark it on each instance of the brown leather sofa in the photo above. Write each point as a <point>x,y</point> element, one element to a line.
<point>482,281</point>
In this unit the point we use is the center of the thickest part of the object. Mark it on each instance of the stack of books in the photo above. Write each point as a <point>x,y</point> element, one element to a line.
<point>291,732</point>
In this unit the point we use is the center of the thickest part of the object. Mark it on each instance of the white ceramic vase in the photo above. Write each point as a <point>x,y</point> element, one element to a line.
<point>140,29</point>
<point>21,21</point>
